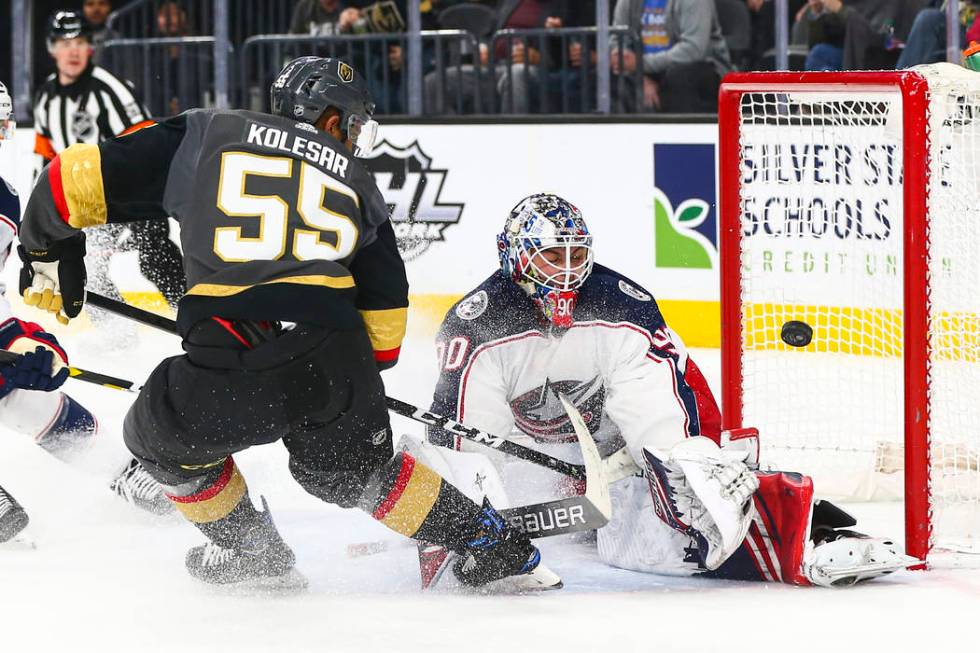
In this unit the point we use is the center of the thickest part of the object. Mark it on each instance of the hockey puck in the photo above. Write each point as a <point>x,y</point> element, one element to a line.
<point>796,334</point>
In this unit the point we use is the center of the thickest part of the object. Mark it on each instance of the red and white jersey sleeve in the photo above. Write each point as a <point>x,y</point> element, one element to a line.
<point>651,397</point>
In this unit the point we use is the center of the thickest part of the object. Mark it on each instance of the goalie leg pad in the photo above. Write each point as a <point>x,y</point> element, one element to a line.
<point>777,537</point>
<point>780,531</point>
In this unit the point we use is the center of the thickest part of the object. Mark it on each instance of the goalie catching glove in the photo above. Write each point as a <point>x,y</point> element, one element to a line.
<point>53,279</point>
<point>705,492</point>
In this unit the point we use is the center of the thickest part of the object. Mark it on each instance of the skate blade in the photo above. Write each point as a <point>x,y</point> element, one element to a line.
<point>541,579</point>
<point>861,573</point>
<point>20,542</point>
<point>292,582</point>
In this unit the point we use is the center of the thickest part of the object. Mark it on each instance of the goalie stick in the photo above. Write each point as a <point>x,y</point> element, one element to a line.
<point>579,513</point>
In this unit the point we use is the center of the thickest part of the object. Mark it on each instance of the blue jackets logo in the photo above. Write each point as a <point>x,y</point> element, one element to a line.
<point>684,207</point>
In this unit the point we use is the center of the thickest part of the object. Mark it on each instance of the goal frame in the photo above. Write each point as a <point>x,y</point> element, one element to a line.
<point>915,115</point>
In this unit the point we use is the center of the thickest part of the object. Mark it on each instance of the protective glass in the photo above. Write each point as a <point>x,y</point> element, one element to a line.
<point>362,131</point>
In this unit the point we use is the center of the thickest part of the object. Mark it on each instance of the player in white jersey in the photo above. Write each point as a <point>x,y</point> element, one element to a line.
<point>551,321</point>
<point>85,103</point>
<point>29,400</point>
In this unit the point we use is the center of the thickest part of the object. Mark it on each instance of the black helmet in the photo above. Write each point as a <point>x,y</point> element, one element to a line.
<point>66,24</point>
<point>306,86</point>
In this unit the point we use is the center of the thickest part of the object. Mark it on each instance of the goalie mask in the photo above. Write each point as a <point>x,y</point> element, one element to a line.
<point>546,249</point>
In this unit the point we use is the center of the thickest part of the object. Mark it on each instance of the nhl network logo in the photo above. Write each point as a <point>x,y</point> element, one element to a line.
<point>412,189</point>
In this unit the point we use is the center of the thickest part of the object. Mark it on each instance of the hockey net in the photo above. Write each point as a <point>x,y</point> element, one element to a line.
<point>851,202</point>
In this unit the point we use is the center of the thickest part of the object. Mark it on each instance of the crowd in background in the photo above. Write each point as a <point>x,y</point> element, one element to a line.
<point>537,56</point>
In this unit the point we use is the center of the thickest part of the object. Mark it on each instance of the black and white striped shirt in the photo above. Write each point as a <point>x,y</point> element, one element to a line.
<point>91,109</point>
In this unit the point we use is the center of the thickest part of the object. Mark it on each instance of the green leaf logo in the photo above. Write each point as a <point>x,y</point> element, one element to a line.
<point>677,244</point>
<point>692,214</point>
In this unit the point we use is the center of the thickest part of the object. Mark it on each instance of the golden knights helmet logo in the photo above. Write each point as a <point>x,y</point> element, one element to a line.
<point>412,188</point>
<point>345,72</point>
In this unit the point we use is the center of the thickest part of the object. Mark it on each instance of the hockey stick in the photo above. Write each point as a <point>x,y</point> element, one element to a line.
<point>136,314</point>
<point>482,437</point>
<point>79,374</point>
<point>579,513</point>
<point>586,512</point>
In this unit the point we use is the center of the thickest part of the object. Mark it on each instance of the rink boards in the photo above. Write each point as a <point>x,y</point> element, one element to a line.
<point>648,192</point>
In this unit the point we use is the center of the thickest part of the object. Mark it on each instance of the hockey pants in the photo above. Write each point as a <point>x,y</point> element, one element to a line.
<point>318,390</point>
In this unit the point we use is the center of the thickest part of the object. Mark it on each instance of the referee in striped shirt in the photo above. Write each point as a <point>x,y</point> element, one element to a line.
<point>85,103</point>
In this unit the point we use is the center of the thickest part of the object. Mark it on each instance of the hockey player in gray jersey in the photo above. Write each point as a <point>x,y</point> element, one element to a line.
<point>279,223</point>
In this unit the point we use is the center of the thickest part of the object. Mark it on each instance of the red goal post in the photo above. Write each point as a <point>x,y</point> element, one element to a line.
<point>802,159</point>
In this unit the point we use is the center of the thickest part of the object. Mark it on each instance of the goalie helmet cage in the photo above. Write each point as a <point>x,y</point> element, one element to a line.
<point>851,201</point>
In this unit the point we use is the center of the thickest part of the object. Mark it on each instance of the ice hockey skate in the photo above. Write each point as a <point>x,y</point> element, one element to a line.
<point>262,562</point>
<point>135,485</point>
<point>13,517</point>
<point>496,558</point>
<point>845,558</point>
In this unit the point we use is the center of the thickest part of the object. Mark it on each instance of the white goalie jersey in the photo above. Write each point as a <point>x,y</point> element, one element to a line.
<point>623,368</point>
<point>627,373</point>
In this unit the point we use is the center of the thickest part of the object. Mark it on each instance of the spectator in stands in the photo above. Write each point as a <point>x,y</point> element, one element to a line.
<point>517,62</point>
<point>567,90</point>
<point>927,39</point>
<point>532,60</point>
<point>323,17</point>
<point>381,63</point>
<point>682,54</point>
<point>183,69</point>
<point>172,19</point>
<point>763,20</point>
<point>857,35</point>
<point>97,13</point>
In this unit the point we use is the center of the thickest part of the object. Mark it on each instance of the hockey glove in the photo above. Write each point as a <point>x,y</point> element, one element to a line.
<point>705,492</point>
<point>43,364</point>
<point>53,279</point>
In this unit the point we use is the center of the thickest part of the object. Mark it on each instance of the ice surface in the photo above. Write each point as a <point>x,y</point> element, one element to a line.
<point>105,577</point>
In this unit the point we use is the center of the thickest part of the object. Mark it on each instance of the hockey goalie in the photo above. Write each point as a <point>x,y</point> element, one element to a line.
<point>691,499</point>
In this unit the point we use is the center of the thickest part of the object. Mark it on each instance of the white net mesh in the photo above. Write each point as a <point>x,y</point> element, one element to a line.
<point>954,307</point>
<point>822,242</point>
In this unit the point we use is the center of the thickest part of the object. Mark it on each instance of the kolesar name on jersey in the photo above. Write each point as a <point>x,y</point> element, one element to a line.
<point>277,139</point>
